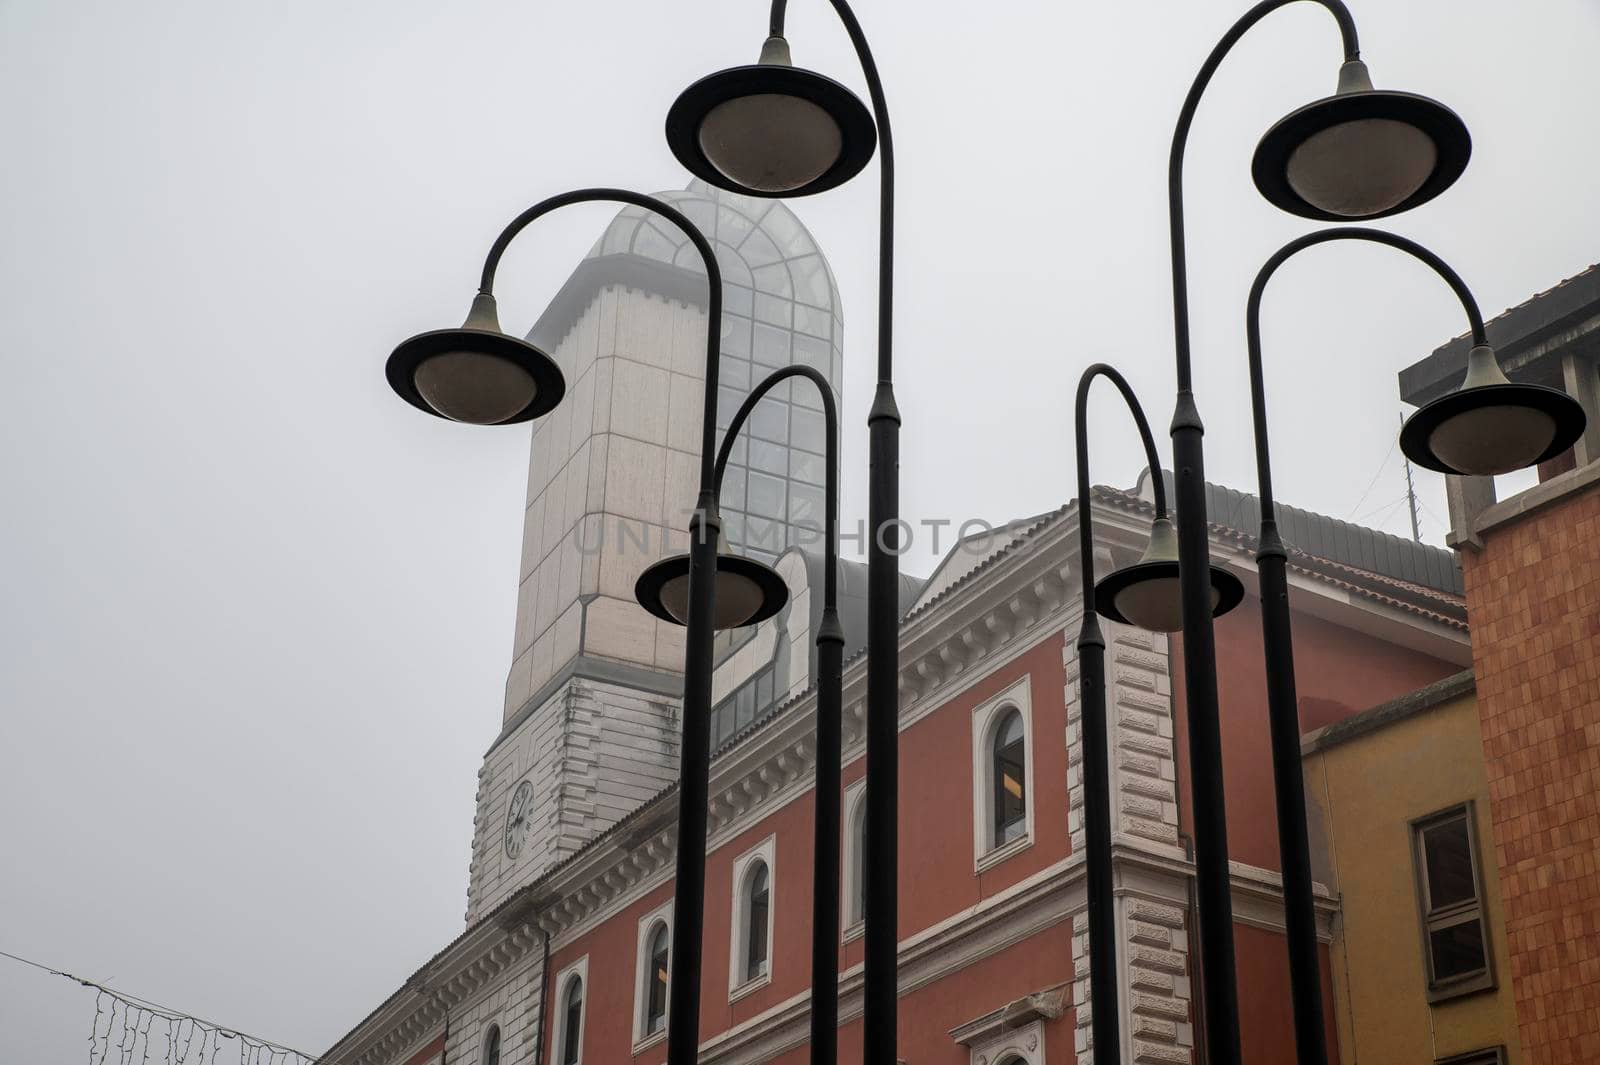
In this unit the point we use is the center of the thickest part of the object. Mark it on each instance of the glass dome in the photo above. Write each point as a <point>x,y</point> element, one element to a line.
<point>780,307</point>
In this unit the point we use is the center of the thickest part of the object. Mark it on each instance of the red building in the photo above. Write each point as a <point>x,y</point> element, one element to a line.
<point>563,958</point>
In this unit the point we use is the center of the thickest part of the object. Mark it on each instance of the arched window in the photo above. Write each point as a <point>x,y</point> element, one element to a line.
<point>656,967</point>
<point>491,1046</point>
<point>1010,778</point>
<point>856,862</point>
<point>572,1021</point>
<point>756,901</point>
<point>752,885</point>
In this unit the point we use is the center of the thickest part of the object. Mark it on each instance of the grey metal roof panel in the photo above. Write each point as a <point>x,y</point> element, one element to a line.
<point>1518,335</point>
<point>1339,541</point>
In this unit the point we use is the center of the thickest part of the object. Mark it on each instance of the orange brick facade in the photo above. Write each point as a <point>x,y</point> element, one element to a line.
<point>1533,598</point>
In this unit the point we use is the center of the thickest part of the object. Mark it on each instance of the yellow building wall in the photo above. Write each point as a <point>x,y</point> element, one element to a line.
<point>1367,790</point>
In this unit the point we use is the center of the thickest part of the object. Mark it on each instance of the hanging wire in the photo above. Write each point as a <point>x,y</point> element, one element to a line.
<point>131,1018</point>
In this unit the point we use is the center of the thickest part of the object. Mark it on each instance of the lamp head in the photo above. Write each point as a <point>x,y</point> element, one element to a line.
<point>1361,153</point>
<point>747,591</point>
<point>1147,594</point>
<point>771,129</point>
<point>1490,425</point>
<point>476,373</point>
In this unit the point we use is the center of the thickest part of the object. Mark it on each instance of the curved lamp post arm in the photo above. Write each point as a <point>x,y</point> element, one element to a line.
<point>1278,646</point>
<point>1258,402</point>
<point>830,704</point>
<point>1180,141</point>
<point>880,963</point>
<point>688,915</point>
<point>1213,885</point>
<point>880,115</point>
<point>1103,991</point>
<point>708,440</point>
<point>1085,526</point>
<point>830,507</point>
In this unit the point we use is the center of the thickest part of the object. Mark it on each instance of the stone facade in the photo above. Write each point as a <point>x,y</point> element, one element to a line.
<point>594,752</point>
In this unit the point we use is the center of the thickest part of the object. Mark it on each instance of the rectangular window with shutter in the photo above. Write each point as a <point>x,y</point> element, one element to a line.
<point>1455,937</point>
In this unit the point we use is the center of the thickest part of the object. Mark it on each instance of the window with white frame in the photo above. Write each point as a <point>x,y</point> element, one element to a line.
<point>1455,937</point>
<point>570,984</point>
<point>853,889</point>
<point>1002,774</point>
<point>652,977</point>
<point>750,942</point>
<point>491,1046</point>
<point>1022,1045</point>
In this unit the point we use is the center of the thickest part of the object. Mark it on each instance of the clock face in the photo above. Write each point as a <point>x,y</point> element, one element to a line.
<point>519,818</point>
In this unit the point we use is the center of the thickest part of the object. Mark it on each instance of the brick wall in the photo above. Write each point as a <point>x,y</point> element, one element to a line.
<point>1533,596</point>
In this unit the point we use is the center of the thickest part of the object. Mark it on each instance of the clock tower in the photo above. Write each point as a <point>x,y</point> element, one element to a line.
<point>592,700</point>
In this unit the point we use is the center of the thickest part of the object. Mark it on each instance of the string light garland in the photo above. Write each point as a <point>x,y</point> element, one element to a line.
<point>129,1030</point>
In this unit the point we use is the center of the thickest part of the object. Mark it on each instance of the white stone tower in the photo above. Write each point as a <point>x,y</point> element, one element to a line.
<point>591,728</point>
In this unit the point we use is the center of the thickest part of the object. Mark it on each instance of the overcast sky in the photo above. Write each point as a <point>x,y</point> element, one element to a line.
<point>258,613</point>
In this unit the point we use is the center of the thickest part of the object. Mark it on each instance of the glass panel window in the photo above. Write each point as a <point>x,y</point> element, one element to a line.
<point>655,1016</point>
<point>1010,780</point>
<point>810,430</point>
<point>806,511</point>
<point>1449,898</point>
<point>818,323</point>
<point>773,310</point>
<point>771,345</point>
<point>812,469</point>
<point>770,421</point>
<point>572,1022</point>
<point>1448,854</point>
<point>756,923</point>
<point>813,353</point>
<point>735,335</point>
<point>766,498</point>
<point>767,457</point>
<point>491,1046</point>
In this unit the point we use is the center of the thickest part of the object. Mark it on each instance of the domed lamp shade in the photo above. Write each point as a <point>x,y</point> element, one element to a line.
<point>1490,425</point>
<point>771,129</point>
<point>747,591</point>
<point>1147,593</point>
<point>476,373</point>
<point>1361,153</point>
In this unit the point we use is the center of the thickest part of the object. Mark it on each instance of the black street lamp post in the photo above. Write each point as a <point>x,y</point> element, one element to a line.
<point>478,374</point>
<point>772,129</point>
<point>668,590</point>
<point>1359,154</point>
<point>830,681</point>
<point>1526,424</point>
<point>1143,594</point>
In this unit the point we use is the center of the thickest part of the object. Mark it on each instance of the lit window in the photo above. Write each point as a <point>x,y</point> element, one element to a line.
<point>572,1021</point>
<point>1010,780</point>
<point>1449,895</point>
<point>655,1010</point>
<point>491,1046</point>
<point>1002,776</point>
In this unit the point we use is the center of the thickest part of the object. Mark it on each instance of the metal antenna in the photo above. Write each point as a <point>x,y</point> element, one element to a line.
<point>1411,495</point>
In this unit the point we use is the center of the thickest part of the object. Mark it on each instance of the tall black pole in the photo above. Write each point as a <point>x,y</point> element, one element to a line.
<point>694,756</point>
<point>1106,1018</point>
<point>830,673</point>
<point>1300,919</point>
<point>881,964</point>
<point>1213,885</point>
